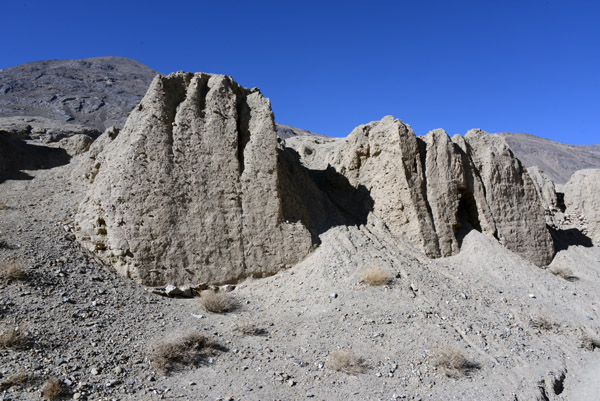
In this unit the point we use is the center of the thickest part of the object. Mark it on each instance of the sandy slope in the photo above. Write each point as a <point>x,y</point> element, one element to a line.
<point>481,303</point>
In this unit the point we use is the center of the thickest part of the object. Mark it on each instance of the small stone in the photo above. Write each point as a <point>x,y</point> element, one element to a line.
<point>113,382</point>
<point>191,383</point>
<point>76,396</point>
<point>118,370</point>
<point>333,295</point>
<point>531,295</point>
<point>291,383</point>
<point>94,371</point>
<point>309,395</point>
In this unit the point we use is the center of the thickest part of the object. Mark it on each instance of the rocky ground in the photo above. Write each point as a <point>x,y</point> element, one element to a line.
<point>524,332</point>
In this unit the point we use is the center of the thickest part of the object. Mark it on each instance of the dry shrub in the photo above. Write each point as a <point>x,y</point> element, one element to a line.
<point>454,363</point>
<point>13,338</point>
<point>52,389</point>
<point>565,273</point>
<point>250,329</point>
<point>542,323</point>
<point>3,205</point>
<point>375,276</point>
<point>180,350</point>
<point>589,340</point>
<point>218,302</point>
<point>345,361</point>
<point>13,270</point>
<point>18,379</point>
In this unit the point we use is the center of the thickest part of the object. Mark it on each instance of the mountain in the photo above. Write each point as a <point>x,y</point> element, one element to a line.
<point>95,92</point>
<point>558,160</point>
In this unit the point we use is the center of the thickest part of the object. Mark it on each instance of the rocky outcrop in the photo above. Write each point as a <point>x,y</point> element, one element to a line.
<point>187,192</point>
<point>582,199</point>
<point>431,190</point>
<point>545,188</point>
<point>511,196</point>
<point>197,189</point>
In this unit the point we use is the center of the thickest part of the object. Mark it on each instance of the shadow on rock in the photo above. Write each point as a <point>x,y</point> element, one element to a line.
<point>563,239</point>
<point>17,155</point>
<point>319,199</point>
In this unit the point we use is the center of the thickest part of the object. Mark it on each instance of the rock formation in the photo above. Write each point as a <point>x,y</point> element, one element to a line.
<point>197,189</point>
<point>431,190</point>
<point>187,192</point>
<point>582,197</point>
<point>545,188</point>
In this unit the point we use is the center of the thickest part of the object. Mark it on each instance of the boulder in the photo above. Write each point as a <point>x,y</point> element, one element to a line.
<point>188,192</point>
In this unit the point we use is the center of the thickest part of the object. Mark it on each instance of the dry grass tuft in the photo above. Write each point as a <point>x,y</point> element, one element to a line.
<point>375,276</point>
<point>13,270</point>
<point>345,361</point>
<point>250,329</point>
<point>18,379</point>
<point>565,273</point>
<point>180,350</point>
<point>542,323</point>
<point>218,302</point>
<point>13,338</point>
<point>589,340</point>
<point>3,206</point>
<point>53,389</point>
<point>454,363</point>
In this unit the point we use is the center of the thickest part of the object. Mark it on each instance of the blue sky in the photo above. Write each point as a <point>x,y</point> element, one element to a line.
<point>517,66</point>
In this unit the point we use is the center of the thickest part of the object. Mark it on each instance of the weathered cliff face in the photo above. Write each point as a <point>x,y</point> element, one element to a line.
<point>512,198</point>
<point>188,190</point>
<point>582,198</point>
<point>545,188</point>
<point>430,191</point>
<point>197,189</point>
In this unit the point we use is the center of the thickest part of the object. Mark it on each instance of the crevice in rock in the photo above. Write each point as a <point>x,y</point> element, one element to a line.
<point>243,123</point>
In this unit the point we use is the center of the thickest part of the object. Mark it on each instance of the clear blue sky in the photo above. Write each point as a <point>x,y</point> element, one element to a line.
<point>518,66</point>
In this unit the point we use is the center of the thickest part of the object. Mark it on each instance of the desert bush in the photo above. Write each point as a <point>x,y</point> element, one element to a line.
<point>589,340</point>
<point>250,329</point>
<point>375,276</point>
<point>346,361</point>
<point>13,270</point>
<point>454,363</point>
<point>180,350</point>
<point>18,379</point>
<point>52,389</point>
<point>565,273</point>
<point>12,338</point>
<point>542,323</point>
<point>218,302</point>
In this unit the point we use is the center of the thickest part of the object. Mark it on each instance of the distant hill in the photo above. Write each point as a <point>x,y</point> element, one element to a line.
<point>100,92</point>
<point>558,160</point>
<point>94,92</point>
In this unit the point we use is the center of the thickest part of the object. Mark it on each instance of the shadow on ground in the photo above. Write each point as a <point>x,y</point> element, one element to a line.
<point>563,239</point>
<point>18,156</point>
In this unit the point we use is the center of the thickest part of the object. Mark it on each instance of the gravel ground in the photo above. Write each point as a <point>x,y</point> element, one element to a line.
<point>484,324</point>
